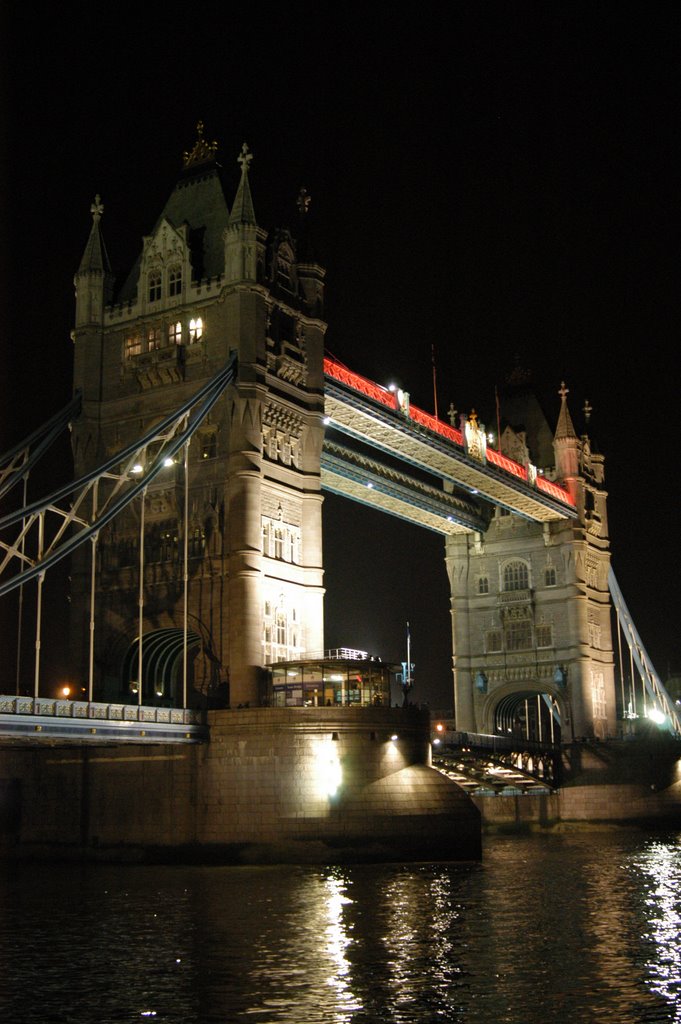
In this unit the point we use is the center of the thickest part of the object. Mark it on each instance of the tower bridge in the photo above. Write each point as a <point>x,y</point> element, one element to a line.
<point>206,423</point>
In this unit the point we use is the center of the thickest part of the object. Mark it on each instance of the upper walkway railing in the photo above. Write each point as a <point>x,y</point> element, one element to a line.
<point>469,443</point>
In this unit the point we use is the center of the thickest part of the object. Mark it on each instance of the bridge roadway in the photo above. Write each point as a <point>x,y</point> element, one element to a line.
<point>372,417</point>
<point>476,762</point>
<point>497,764</point>
<point>35,720</point>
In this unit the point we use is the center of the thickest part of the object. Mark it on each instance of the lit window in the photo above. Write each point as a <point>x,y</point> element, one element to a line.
<point>195,330</point>
<point>550,576</point>
<point>599,708</point>
<point>175,334</point>
<point>516,576</point>
<point>133,346</point>
<point>174,281</point>
<point>483,585</point>
<point>154,286</point>
<point>153,339</point>
<point>209,444</point>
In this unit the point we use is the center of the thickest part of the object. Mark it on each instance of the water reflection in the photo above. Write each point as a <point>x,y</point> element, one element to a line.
<point>562,928</point>
<point>660,871</point>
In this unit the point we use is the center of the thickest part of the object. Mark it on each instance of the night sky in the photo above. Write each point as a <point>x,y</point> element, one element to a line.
<point>497,180</point>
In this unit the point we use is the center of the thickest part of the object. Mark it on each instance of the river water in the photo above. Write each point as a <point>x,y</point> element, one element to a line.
<point>574,927</point>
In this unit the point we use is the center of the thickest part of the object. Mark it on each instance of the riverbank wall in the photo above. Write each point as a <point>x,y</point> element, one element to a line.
<point>629,782</point>
<point>272,785</point>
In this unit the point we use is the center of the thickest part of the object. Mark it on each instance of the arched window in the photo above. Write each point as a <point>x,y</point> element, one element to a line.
<point>549,576</point>
<point>174,281</point>
<point>154,281</point>
<point>175,334</point>
<point>516,576</point>
<point>483,585</point>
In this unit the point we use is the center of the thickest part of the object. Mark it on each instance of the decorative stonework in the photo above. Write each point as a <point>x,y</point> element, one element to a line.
<point>202,151</point>
<point>282,509</point>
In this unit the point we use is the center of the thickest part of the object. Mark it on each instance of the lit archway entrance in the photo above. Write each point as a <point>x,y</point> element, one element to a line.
<point>529,715</point>
<point>162,665</point>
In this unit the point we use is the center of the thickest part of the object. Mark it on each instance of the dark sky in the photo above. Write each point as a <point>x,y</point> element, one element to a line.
<point>499,180</point>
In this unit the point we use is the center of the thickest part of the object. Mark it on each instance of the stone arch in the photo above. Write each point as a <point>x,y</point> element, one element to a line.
<point>528,710</point>
<point>162,658</point>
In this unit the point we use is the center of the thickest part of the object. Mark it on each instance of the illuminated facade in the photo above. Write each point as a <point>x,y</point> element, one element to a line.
<point>333,681</point>
<point>531,610</point>
<point>525,527</point>
<point>208,282</point>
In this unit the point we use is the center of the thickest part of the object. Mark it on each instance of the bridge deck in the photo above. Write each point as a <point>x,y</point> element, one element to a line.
<point>36,720</point>
<point>370,414</point>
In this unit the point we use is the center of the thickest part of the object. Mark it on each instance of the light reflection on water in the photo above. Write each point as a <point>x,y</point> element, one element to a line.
<point>573,927</point>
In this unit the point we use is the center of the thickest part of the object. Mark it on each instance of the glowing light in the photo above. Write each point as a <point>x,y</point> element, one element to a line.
<point>169,462</point>
<point>394,737</point>
<point>328,769</point>
<point>137,468</point>
<point>326,421</point>
<point>65,691</point>
<point>656,716</point>
<point>440,727</point>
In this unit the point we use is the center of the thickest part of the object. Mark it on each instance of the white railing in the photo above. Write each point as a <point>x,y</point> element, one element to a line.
<point>53,708</point>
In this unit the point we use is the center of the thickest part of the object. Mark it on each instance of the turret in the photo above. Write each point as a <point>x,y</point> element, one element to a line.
<point>93,280</point>
<point>244,240</point>
<point>566,446</point>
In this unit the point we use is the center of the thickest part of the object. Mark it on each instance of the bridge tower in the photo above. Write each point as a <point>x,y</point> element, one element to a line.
<point>209,282</point>
<point>531,612</point>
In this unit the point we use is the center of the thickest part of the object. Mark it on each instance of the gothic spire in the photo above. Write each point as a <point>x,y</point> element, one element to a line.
<point>242,210</point>
<point>564,428</point>
<point>95,258</point>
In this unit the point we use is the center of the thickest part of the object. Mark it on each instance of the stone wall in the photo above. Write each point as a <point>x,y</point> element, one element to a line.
<point>274,785</point>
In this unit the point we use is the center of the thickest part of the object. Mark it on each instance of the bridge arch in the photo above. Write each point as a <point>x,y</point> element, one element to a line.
<point>162,663</point>
<point>530,711</point>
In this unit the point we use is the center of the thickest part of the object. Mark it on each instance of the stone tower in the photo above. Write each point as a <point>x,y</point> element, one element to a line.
<point>531,612</point>
<point>209,282</point>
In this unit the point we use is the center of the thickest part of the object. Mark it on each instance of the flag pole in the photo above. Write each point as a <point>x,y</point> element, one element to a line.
<point>432,353</point>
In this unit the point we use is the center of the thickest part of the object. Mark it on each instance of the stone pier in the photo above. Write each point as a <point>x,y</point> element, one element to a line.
<point>272,785</point>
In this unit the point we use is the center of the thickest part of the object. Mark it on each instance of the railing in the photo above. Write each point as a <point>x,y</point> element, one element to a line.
<point>54,708</point>
<point>388,398</point>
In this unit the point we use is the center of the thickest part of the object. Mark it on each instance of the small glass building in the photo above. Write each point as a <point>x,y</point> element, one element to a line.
<point>333,681</point>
